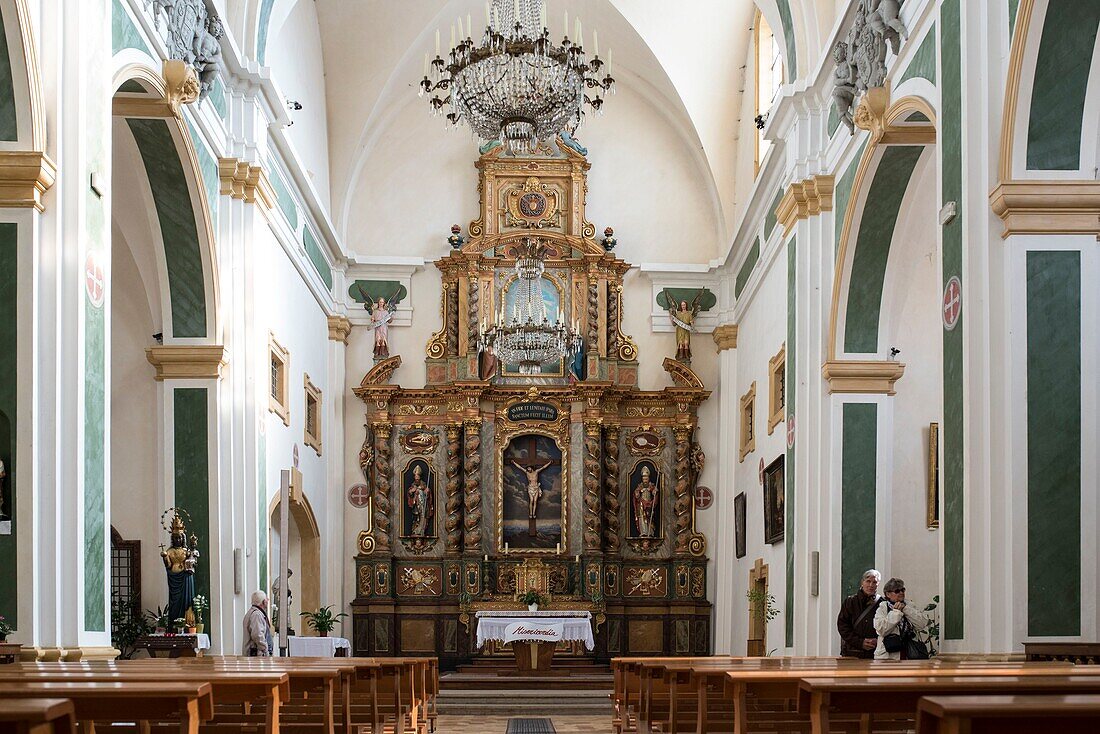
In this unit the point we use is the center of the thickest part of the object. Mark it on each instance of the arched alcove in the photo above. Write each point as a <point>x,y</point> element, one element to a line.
<point>304,557</point>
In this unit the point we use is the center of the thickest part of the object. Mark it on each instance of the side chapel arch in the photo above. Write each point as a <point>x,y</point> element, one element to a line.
<point>308,575</point>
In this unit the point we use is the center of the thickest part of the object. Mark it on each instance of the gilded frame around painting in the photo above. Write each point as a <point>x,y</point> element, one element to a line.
<point>562,445</point>
<point>933,498</point>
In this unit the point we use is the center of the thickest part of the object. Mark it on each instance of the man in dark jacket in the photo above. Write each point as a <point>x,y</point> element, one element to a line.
<point>856,621</point>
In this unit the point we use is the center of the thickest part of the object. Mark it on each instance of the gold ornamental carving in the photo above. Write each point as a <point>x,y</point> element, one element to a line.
<point>725,337</point>
<point>25,176</point>
<point>681,374</point>
<point>651,581</point>
<point>534,205</point>
<point>182,84</point>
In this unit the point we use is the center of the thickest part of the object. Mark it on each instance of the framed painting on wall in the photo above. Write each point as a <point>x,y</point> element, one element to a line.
<point>739,523</point>
<point>774,503</point>
<point>933,521</point>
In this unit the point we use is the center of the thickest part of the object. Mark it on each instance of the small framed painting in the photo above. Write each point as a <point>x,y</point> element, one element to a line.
<point>774,502</point>
<point>739,523</point>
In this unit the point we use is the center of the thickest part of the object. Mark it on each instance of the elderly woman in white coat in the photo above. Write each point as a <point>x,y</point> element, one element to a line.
<point>894,616</point>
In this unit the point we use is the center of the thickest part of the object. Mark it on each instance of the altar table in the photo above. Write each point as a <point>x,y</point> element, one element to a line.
<point>318,647</point>
<point>534,653</point>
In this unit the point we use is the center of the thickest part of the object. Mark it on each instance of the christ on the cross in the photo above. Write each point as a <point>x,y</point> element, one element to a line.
<point>534,490</point>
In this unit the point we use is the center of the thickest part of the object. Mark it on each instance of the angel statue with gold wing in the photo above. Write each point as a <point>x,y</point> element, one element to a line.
<point>683,319</point>
<point>381,314</point>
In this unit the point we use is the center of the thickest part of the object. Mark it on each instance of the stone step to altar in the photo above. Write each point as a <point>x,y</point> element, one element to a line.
<point>490,702</point>
<point>508,679</point>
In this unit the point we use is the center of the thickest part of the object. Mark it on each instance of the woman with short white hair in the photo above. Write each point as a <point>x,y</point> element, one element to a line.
<point>896,623</point>
<point>257,628</point>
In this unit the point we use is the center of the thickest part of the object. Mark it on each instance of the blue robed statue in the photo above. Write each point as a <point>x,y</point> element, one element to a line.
<point>180,559</point>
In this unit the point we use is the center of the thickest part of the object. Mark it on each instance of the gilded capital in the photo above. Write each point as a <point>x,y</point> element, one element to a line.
<point>725,337</point>
<point>339,327</point>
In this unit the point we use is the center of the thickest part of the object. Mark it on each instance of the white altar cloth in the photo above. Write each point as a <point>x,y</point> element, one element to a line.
<point>317,647</point>
<point>575,625</point>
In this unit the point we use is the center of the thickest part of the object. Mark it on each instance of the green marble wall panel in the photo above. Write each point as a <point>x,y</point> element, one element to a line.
<point>95,133</point>
<point>313,252</point>
<point>772,218</point>
<point>746,268</point>
<point>179,233</point>
<point>790,494</point>
<point>262,30</point>
<point>217,97</point>
<point>94,464</point>
<point>876,230</point>
<point>211,182</point>
<point>9,125</point>
<point>834,120</point>
<point>133,86</point>
<point>1061,80</point>
<point>951,187</point>
<point>842,195</point>
<point>9,429</point>
<point>191,468</point>
<point>283,197</point>
<point>923,63</point>
<point>1053,443</point>
<point>858,470</point>
<point>791,58</point>
<point>124,34</point>
<point>1013,7</point>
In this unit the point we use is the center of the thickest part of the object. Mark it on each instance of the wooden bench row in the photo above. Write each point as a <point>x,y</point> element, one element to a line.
<point>212,694</point>
<point>717,695</point>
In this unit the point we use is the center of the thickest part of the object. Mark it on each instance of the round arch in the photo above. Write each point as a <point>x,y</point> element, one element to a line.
<point>187,252</point>
<point>304,521</point>
<point>904,131</point>
<point>24,127</point>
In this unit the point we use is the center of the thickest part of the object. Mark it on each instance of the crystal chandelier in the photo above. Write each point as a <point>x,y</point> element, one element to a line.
<point>515,85</point>
<point>528,338</point>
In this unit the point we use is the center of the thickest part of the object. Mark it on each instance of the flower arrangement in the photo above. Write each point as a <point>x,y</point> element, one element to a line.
<point>323,620</point>
<point>532,599</point>
<point>179,623</point>
<point>200,605</point>
<point>5,628</point>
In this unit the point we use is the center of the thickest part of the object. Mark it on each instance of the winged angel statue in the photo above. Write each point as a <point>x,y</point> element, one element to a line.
<point>683,318</point>
<point>381,313</point>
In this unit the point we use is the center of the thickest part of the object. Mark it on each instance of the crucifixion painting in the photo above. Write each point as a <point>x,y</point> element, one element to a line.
<point>532,494</point>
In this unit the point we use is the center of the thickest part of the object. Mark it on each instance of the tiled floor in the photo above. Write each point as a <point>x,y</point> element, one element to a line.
<point>498,725</point>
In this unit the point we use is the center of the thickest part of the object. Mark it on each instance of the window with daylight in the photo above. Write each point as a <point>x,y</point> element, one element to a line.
<point>747,438</point>
<point>768,63</point>
<point>777,388</point>
<point>313,416</point>
<point>278,392</point>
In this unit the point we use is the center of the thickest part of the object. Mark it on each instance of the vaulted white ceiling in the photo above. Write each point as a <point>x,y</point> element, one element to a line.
<point>686,65</point>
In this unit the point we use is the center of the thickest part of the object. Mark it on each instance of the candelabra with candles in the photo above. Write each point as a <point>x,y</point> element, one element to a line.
<point>515,84</point>
<point>528,339</point>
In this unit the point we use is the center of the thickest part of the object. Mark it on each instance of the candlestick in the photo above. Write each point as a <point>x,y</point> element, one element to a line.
<point>578,558</point>
<point>595,43</point>
<point>486,555</point>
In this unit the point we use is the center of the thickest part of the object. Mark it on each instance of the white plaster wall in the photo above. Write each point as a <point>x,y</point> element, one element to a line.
<point>286,308</point>
<point>644,182</point>
<point>297,66</point>
<point>911,323</point>
<point>762,330</point>
<point>134,449</point>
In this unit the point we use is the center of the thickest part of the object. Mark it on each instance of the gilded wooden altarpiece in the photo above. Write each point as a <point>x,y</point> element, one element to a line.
<point>648,595</point>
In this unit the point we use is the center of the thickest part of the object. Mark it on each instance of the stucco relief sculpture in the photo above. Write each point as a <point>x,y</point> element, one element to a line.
<point>192,36</point>
<point>861,57</point>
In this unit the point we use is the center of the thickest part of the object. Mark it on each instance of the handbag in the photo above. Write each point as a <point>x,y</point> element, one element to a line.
<point>915,649</point>
<point>894,641</point>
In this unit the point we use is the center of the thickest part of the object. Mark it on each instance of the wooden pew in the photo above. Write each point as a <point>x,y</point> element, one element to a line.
<point>228,687</point>
<point>37,716</point>
<point>820,698</point>
<point>186,704</point>
<point>1075,714</point>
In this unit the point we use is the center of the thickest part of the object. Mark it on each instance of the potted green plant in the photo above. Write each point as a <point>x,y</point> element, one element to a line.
<point>5,629</point>
<point>323,620</point>
<point>200,605</point>
<point>532,599</point>
<point>158,618</point>
<point>763,611</point>
<point>179,624</point>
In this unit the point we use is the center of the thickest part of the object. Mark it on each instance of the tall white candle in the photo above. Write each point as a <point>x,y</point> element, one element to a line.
<point>452,35</point>
<point>609,57</point>
<point>425,64</point>
<point>437,42</point>
<point>488,15</point>
<point>460,36</point>
<point>469,27</point>
<point>515,18</point>
<point>567,23</point>
<point>580,38</point>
